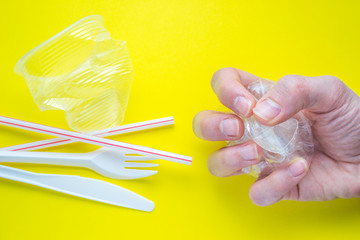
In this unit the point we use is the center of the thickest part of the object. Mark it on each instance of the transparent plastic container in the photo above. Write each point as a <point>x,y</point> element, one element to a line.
<point>82,71</point>
<point>280,143</point>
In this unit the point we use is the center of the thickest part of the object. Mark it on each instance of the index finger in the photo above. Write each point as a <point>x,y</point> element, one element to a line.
<point>229,84</point>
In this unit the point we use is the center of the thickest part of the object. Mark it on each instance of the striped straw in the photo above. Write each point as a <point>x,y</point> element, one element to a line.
<point>95,140</point>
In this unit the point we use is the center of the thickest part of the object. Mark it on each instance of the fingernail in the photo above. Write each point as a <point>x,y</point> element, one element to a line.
<point>249,152</point>
<point>242,105</point>
<point>267,109</point>
<point>229,127</point>
<point>297,168</point>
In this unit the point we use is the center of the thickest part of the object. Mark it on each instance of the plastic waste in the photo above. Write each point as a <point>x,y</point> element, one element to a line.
<point>280,143</point>
<point>82,71</point>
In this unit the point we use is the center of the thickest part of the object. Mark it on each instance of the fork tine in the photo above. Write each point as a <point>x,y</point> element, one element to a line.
<point>136,173</point>
<point>140,158</point>
<point>140,165</point>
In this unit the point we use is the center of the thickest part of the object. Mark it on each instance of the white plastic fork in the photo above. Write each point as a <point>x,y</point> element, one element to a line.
<point>107,162</point>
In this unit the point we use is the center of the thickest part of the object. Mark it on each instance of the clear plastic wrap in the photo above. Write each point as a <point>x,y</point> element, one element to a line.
<point>280,143</point>
<point>82,71</point>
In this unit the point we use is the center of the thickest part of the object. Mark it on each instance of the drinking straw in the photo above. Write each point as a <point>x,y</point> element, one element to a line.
<point>136,149</point>
<point>102,133</point>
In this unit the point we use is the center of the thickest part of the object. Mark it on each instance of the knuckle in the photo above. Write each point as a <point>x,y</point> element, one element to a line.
<point>296,84</point>
<point>337,90</point>
<point>332,79</point>
<point>335,82</point>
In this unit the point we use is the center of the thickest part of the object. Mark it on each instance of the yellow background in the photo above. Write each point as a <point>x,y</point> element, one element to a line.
<point>176,46</point>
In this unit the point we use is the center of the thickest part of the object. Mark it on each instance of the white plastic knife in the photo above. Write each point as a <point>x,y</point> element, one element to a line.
<point>88,188</point>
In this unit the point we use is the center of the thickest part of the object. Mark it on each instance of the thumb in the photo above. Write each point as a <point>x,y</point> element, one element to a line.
<point>278,184</point>
<point>293,93</point>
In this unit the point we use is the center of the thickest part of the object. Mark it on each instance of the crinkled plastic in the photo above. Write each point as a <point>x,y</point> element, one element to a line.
<point>82,71</point>
<point>280,143</point>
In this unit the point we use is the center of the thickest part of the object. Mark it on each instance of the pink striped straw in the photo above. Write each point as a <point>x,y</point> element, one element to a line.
<point>95,140</point>
<point>102,133</point>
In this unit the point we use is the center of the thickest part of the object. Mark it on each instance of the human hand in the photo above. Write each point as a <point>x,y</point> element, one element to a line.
<point>334,110</point>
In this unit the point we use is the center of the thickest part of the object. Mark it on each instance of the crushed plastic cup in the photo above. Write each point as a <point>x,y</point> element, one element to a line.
<point>280,143</point>
<point>82,71</point>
